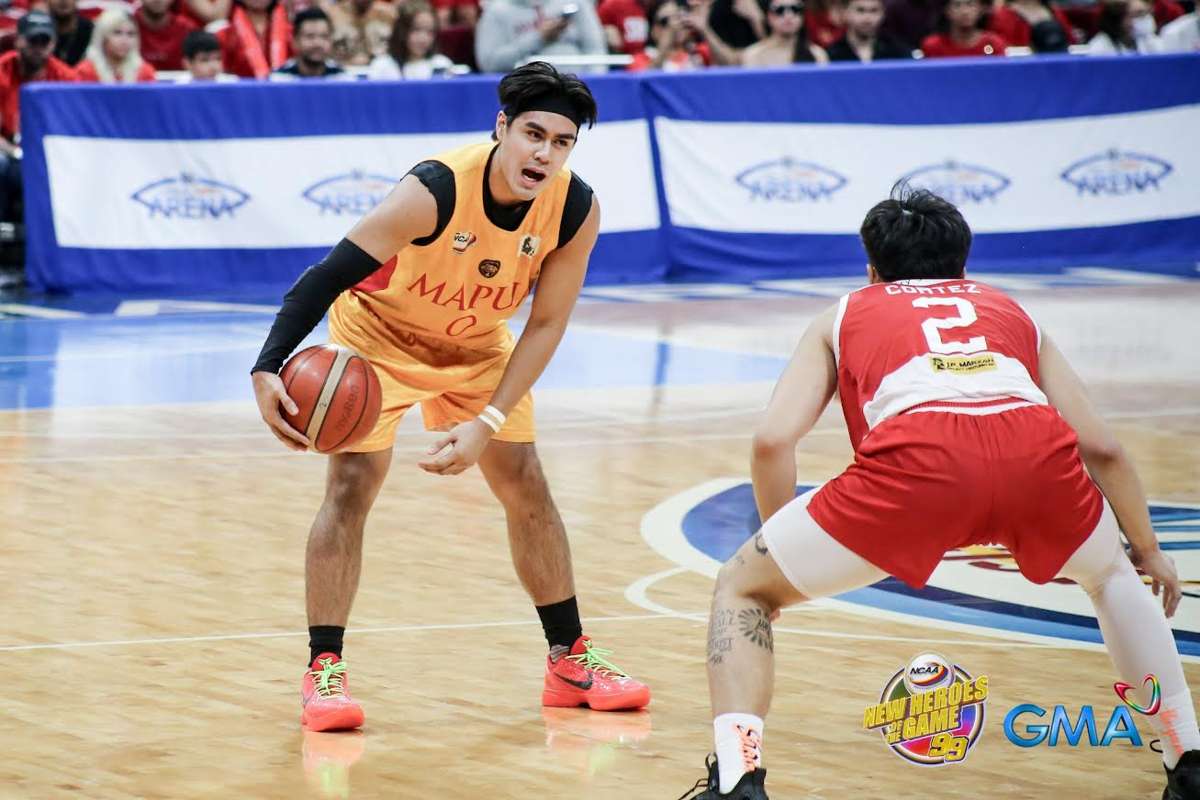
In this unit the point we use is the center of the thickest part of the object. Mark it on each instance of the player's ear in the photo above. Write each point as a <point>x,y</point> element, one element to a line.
<point>872,275</point>
<point>501,127</point>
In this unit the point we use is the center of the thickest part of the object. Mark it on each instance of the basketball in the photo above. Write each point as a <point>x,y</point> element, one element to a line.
<point>337,396</point>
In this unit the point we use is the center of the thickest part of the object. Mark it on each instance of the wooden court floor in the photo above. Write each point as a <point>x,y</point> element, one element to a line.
<point>153,592</point>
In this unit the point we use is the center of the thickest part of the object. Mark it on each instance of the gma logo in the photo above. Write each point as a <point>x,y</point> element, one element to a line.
<point>1120,726</point>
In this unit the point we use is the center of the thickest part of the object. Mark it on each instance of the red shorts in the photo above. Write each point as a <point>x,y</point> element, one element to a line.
<point>927,482</point>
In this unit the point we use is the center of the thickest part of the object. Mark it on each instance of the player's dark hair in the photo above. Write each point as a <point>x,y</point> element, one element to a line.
<point>197,42</point>
<point>916,234</point>
<point>308,15</point>
<point>537,85</point>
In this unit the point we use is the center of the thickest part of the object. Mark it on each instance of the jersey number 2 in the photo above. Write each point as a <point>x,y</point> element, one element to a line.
<point>932,326</point>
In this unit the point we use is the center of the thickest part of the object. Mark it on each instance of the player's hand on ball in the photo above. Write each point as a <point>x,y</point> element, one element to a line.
<point>270,395</point>
<point>458,450</point>
<point>1159,567</point>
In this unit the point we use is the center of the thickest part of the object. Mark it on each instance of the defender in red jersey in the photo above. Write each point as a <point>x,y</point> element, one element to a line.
<point>968,427</point>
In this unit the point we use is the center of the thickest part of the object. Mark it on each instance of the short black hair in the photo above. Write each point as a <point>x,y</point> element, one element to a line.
<point>308,15</point>
<point>197,42</point>
<point>916,234</point>
<point>519,88</point>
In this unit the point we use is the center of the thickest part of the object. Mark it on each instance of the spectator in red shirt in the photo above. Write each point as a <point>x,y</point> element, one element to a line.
<point>1166,11</point>
<point>1034,24</point>
<point>30,61</point>
<point>73,31</point>
<point>162,32</point>
<point>625,25</point>
<point>960,34</point>
<point>113,56</point>
<point>257,39</point>
<point>823,21</point>
<point>676,45</point>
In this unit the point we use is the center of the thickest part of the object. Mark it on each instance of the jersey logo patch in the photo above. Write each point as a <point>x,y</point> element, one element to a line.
<point>964,365</point>
<point>529,246</point>
<point>489,267</point>
<point>463,240</point>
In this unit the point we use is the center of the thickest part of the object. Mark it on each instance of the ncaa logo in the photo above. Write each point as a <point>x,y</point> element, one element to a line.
<point>354,193</point>
<point>786,180</point>
<point>189,197</point>
<point>1116,173</point>
<point>958,183</point>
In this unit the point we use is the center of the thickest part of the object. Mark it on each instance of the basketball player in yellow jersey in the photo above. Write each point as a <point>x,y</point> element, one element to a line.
<point>422,287</point>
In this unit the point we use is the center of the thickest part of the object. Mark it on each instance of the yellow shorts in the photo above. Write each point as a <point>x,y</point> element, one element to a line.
<point>452,383</point>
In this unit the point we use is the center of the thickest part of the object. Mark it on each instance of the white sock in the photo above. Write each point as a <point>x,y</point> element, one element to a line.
<point>739,747</point>
<point>1138,638</point>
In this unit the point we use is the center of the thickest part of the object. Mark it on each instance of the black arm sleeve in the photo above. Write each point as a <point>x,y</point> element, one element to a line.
<point>575,209</point>
<point>308,300</point>
<point>439,180</point>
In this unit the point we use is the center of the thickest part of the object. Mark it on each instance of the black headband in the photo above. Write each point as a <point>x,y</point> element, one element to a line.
<point>553,101</point>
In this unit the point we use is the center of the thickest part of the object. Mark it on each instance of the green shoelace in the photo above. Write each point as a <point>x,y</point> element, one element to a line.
<point>594,658</point>
<point>329,678</point>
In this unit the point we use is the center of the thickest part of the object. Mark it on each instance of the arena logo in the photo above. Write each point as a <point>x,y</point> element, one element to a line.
<point>978,586</point>
<point>189,197</point>
<point>1116,173</point>
<point>353,193</point>
<point>786,180</point>
<point>961,184</point>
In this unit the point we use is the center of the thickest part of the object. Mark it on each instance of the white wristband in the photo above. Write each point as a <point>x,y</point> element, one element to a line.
<point>488,421</point>
<point>496,415</point>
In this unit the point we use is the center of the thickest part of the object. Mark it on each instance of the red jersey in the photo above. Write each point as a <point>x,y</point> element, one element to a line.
<point>10,88</point>
<point>628,17</point>
<point>87,73</point>
<point>940,45</point>
<point>1014,30</point>
<point>932,343</point>
<point>162,48</point>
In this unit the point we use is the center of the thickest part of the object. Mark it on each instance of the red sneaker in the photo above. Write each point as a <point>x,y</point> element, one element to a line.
<point>586,677</point>
<point>325,698</point>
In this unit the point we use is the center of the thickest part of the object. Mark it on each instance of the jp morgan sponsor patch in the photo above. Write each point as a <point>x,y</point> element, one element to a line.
<point>786,180</point>
<point>963,365</point>
<point>187,197</point>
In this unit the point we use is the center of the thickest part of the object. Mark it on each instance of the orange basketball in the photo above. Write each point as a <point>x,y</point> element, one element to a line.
<point>337,395</point>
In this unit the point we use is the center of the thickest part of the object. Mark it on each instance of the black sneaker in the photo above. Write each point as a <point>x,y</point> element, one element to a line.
<point>750,787</point>
<point>1183,782</point>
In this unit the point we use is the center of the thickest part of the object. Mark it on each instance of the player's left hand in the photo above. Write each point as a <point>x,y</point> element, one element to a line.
<point>458,450</point>
<point>1164,580</point>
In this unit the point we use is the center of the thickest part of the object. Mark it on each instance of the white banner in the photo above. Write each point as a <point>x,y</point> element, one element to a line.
<point>1006,177</point>
<point>289,192</point>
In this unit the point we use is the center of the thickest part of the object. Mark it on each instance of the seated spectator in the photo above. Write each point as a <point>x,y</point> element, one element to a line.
<point>1126,27</point>
<point>162,32</point>
<point>512,31</point>
<point>961,35</point>
<point>823,22</point>
<point>787,41</point>
<point>737,24</point>
<point>412,50</point>
<point>257,38</point>
<point>360,29</point>
<point>863,40</point>
<point>1034,24</point>
<point>74,31</point>
<point>312,42</point>
<point>114,56</point>
<point>1166,11</point>
<point>908,22</point>
<point>625,25</point>
<point>1182,35</point>
<point>451,13</point>
<point>31,60</point>
<point>202,58</point>
<point>675,45</point>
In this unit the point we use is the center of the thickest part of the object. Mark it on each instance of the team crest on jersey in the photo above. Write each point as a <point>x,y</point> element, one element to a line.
<point>463,240</point>
<point>529,246</point>
<point>489,267</point>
